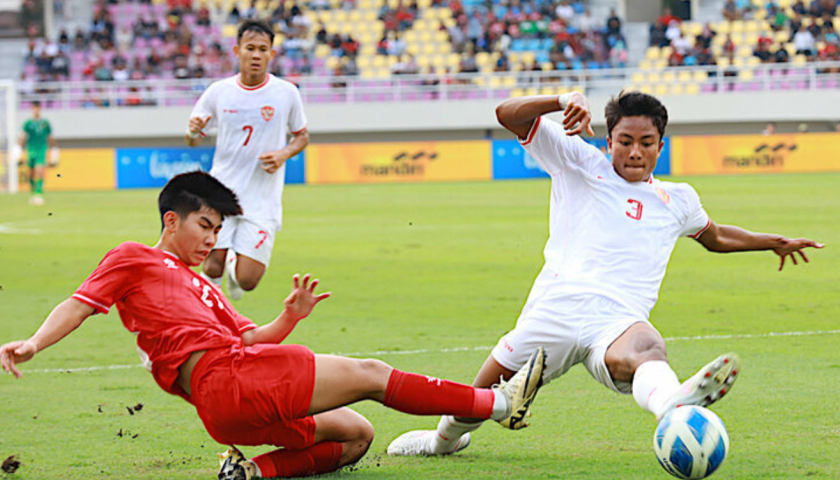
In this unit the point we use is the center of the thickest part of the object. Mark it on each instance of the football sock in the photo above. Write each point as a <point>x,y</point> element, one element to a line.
<point>214,280</point>
<point>39,186</point>
<point>422,395</point>
<point>449,432</point>
<point>653,383</point>
<point>320,458</point>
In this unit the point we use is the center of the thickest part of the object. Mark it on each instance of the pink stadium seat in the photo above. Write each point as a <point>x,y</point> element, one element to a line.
<point>708,87</point>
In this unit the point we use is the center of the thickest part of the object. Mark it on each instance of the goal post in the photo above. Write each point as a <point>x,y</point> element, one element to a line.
<point>8,137</point>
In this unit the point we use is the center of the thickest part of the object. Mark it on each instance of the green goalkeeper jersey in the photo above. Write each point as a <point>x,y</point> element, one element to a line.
<point>37,134</point>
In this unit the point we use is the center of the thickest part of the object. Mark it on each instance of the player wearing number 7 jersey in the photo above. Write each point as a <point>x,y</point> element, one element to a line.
<point>254,113</point>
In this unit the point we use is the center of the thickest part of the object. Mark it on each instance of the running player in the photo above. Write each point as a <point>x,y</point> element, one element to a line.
<point>612,229</point>
<point>36,139</point>
<point>255,112</point>
<point>246,388</point>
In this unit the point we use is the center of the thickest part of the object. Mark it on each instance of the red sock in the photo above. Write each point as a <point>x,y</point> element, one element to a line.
<point>320,458</point>
<point>422,395</point>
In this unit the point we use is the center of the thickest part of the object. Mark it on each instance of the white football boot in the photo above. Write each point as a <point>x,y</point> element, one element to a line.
<point>706,386</point>
<point>235,292</point>
<point>419,442</point>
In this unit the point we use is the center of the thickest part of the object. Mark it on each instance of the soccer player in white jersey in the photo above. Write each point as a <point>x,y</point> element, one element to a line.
<point>612,228</point>
<point>254,112</point>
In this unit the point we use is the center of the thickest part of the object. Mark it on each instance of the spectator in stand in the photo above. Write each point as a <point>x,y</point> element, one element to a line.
<point>614,23</point>
<point>769,129</point>
<point>668,16</point>
<point>804,42</point>
<point>565,12</point>
<point>728,46</point>
<point>706,36</point>
<point>781,55</point>
<point>321,35</point>
<point>730,11</point>
<point>762,51</point>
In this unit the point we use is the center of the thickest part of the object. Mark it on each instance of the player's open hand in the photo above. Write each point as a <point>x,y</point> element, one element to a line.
<point>790,247</point>
<point>16,352</point>
<point>302,300</point>
<point>197,124</point>
<point>577,117</point>
<point>272,161</point>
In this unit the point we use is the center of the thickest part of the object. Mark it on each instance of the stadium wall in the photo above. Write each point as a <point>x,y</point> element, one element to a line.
<point>396,162</point>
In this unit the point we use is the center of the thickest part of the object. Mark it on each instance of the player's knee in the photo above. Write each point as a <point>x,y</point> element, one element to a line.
<point>372,376</point>
<point>248,283</point>
<point>357,447</point>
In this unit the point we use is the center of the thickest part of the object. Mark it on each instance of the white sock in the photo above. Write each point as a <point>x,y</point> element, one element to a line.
<point>449,432</point>
<point>501,406</point>
<point>217,280</point>
<point>653,383</point>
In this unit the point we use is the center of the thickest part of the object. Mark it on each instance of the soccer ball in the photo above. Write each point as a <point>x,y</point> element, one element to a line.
<point>690,442</point>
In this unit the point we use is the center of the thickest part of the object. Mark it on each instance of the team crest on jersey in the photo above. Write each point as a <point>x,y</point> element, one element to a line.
<point>267,113</point>
<point>663,195</point>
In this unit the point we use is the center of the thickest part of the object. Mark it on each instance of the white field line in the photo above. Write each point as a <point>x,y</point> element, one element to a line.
<point>8,229</point>
<point>472,349</point>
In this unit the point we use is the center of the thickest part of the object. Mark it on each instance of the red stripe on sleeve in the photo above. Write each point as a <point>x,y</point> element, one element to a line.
<point>531,132</point>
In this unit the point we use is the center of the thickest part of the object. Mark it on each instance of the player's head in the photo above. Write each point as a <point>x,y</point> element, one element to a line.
<point>192,206</point>
<point>635,127</point>
<point>36,109</point>
<point>254,47</point>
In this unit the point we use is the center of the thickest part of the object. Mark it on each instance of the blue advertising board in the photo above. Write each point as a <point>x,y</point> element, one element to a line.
<point>153,167</point>
<point>511,161</point>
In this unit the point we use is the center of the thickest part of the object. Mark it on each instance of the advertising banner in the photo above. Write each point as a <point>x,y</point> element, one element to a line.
<point>153,167</point>
<point>511,161</point>
<point>78,169</point>
<point>806,152</point>
<point>394,162</point>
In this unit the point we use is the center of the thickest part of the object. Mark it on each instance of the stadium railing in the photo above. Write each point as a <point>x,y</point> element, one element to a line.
<point>433,87</point>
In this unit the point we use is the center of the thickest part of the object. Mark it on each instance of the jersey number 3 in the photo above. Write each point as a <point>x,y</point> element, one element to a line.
<point>250,130</point>
<point>634,211</point>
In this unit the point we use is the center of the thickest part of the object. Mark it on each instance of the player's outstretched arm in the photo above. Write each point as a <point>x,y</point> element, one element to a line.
<point>272,161</point>
<point>64,318</point>
<point>518,114</point>
<point>728,238</point>
<point>298,305</point>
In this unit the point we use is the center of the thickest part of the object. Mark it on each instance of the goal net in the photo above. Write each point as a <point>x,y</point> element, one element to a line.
<point>8,137</point>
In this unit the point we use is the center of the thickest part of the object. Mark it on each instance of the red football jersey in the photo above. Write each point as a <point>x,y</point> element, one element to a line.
<point>171,309</point>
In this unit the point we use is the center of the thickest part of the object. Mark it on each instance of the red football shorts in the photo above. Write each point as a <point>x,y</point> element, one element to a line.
<point>256,395</point>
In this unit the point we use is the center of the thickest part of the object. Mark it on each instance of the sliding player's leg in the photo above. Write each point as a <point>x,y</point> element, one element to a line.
<point>638,357</point>
<point>252,243</point>
<point>213,267</point>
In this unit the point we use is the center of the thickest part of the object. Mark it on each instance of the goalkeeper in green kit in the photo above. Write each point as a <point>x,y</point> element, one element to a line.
<point>36,139</point>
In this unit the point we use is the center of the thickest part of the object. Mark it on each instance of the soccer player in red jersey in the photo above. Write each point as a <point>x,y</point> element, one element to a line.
<point>247,388</point>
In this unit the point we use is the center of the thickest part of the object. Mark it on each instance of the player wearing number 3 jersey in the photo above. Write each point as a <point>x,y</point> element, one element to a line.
<point>253,113</point>
<point>612,228</point>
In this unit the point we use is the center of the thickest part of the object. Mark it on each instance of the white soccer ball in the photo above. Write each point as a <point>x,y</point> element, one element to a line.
<point>690,442</point>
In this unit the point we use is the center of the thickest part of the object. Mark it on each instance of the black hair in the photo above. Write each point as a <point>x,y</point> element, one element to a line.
<point>36,103</point>
<point>636,104</point>
<point>190,192</point>
<point>258,26</point>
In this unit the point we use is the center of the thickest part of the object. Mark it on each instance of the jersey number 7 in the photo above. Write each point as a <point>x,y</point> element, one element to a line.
<point>250,130</point>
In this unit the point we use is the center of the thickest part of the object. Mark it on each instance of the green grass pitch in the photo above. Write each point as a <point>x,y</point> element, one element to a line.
<point>427,277</point>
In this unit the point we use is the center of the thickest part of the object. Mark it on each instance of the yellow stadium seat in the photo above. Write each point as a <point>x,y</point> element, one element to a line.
<point>692,89</point>
<point>646,89</point>
<point>661,63</point>
<point>684,76</point>
<point>423,61</point>
<point>333,62</point>
<point>482,58</point>
<point>548,90</point>
<point>370,16</point>
<point>364,61</point>
<point>444,14</point>
<point>746,75</point>
<point>791,48</point>
<point>413,49</point>
<point>229,31</point>
<point>367,73</point>
<point>743,52</point>
<point>563,89</point>
<point>751,39</point>
<point>799,60</point>
<point>700,76</point>
<point>669,77</point>
<point>645,64</point>
<point>547,66</point>
<point>425,36</point>
<point>676,89</point>
<point>638,77</point>
<point>665,52</point>
<point>424,4</point>
<point>530,91</point>
<point>453,60</point>
<point>652,53</point>
<point>661,90</point>
<point>753,61</point>
<point>654,78</point>
<point>738,62</point>
<point>441,36</point>
<point>723,62</point>
<point>517,92</point>
<point>722,28</point>
<point>480,81</point>
<point>509,81</point>
<point>429,48</point>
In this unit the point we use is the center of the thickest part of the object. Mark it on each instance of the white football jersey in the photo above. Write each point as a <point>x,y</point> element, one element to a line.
<point>251,121</point>
<point>609,237</point>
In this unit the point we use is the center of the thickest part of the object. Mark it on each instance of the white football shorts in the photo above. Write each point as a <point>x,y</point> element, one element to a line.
<point>247,236</point>
<point>572,328</point>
